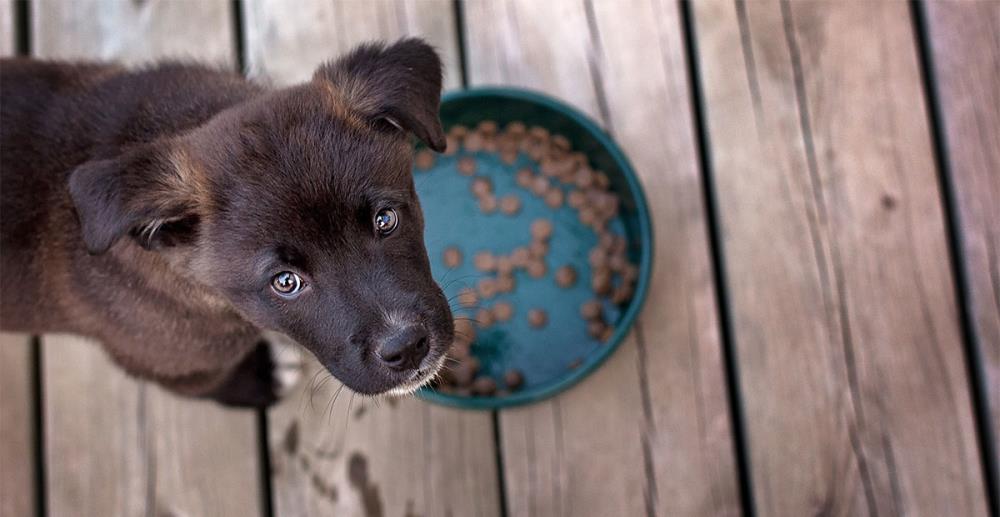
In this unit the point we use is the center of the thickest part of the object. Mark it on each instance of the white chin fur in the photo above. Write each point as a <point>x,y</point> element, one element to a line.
<point>411,387</point>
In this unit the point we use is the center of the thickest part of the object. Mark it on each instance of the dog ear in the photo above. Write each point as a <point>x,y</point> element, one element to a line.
<point>396,86</point>
<point>144,192</point>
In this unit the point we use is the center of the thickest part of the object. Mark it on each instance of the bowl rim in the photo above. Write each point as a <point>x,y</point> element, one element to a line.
<point>628,319</point>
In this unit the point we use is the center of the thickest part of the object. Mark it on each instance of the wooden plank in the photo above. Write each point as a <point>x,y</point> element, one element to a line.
<point>966,54</point>
<point>116,446</point>
<point>850,356</point>
<point>8,35</point>
<point>664,443</point>
<point>407,456</point>
<point>285,45</point>
<point>17,461</point>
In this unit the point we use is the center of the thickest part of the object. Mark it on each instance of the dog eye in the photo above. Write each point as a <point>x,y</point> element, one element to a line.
<point>287,283</point>
<point>386,221</point>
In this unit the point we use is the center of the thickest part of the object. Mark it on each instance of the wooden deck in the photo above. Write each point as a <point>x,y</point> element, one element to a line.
<point>822,335</point>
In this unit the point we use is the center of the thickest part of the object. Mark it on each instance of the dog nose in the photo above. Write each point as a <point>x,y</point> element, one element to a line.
<point>405,349</point>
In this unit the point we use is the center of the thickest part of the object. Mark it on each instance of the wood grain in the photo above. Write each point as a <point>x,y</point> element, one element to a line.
<point>17,461</point>
<point>345,456</point>
<point>851,361</point>
<point>115,446</point>
<point>965,42</point>
<point>649,432</point>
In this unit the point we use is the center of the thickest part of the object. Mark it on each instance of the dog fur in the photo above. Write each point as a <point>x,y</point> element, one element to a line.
<point>151,208</point>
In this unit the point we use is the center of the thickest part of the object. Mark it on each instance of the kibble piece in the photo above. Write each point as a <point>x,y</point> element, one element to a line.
<point>537,268</point>
<point>587,216</point>
<point>505,265</point>
<point>598,258</point>
<point>487,127</point>
<point>505,283</point>
<point>508,156</point>
<point>513,379</point>
<point>539,133</point>
<point>600,282</point>
<point>510,204</point>
<point>596,328</point>
<point>467,166</point>
<point>538,249</point>
<point>622,294</point>
<point>487,288</point>
<point>617,262</point>
<point>606,241</point>
<point>537,318</point>
<point>485,318</point>
<point>521,256</point>
<point>503,311</point>
<point>606,335</point>
<point>485,261</point>
<point>424,159</point>
<point>517,128</point>
<point>468,298</point>
<point>576,199</point>
<point>452,257</point>
<point>451,144</point>
<point>466,371</point>
<point>554,197</point>
<point>541,229</point>
<point>591,310</point>
<point>484,386</point>
<point>524,177</point>
<point>459,349</point>
<point>473,142</point>
<point>630,273</point>
<point>481,187</point>
<point>465,331</point>
<point>566,276</point>
<point>539,185</point>
<point>488,204</point>
<point>576,363</point>
<point>601,180</point>
<point>549,167</point>
<point>458,132</point>
<point>583,178</point>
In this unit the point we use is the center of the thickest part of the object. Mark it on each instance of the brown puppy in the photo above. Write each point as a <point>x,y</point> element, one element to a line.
<point>176,212</point>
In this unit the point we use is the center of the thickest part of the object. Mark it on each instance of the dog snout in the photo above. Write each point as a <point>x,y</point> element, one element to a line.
<point>405,348</point>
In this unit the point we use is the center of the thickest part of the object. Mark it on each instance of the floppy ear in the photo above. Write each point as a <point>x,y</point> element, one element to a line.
<point>144,192</point>
<point>399,85</point>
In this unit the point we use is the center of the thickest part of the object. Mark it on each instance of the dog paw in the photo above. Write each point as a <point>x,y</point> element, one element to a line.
<point>287,358</point>
<point>265,375</point>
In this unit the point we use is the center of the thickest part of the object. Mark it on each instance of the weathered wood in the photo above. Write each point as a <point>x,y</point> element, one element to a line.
<point>850,357</point>
<point>663,442</point>
<point>115,446</point>
<point>405,456</point>
<point>8,36</point>
<point>285,45</point>
<point>17,461</point>
<point>134,32</point>
<point>965,42</point>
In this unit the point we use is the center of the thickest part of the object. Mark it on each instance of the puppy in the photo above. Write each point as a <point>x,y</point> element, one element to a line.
<point>176,212</point>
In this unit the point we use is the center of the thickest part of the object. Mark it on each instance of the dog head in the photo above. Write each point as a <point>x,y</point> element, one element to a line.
<point>298,208</point>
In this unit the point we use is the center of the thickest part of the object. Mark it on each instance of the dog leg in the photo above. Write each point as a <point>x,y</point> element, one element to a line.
<point>265,375</point>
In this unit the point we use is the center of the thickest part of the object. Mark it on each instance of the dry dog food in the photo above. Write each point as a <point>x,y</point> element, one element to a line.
<point>537,318</point>
<point>452,257</point>
<point>566,276</point>
<point>561,177</point>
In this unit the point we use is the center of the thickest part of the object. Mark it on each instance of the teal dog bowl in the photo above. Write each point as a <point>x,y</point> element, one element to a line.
<point>558,355</point>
